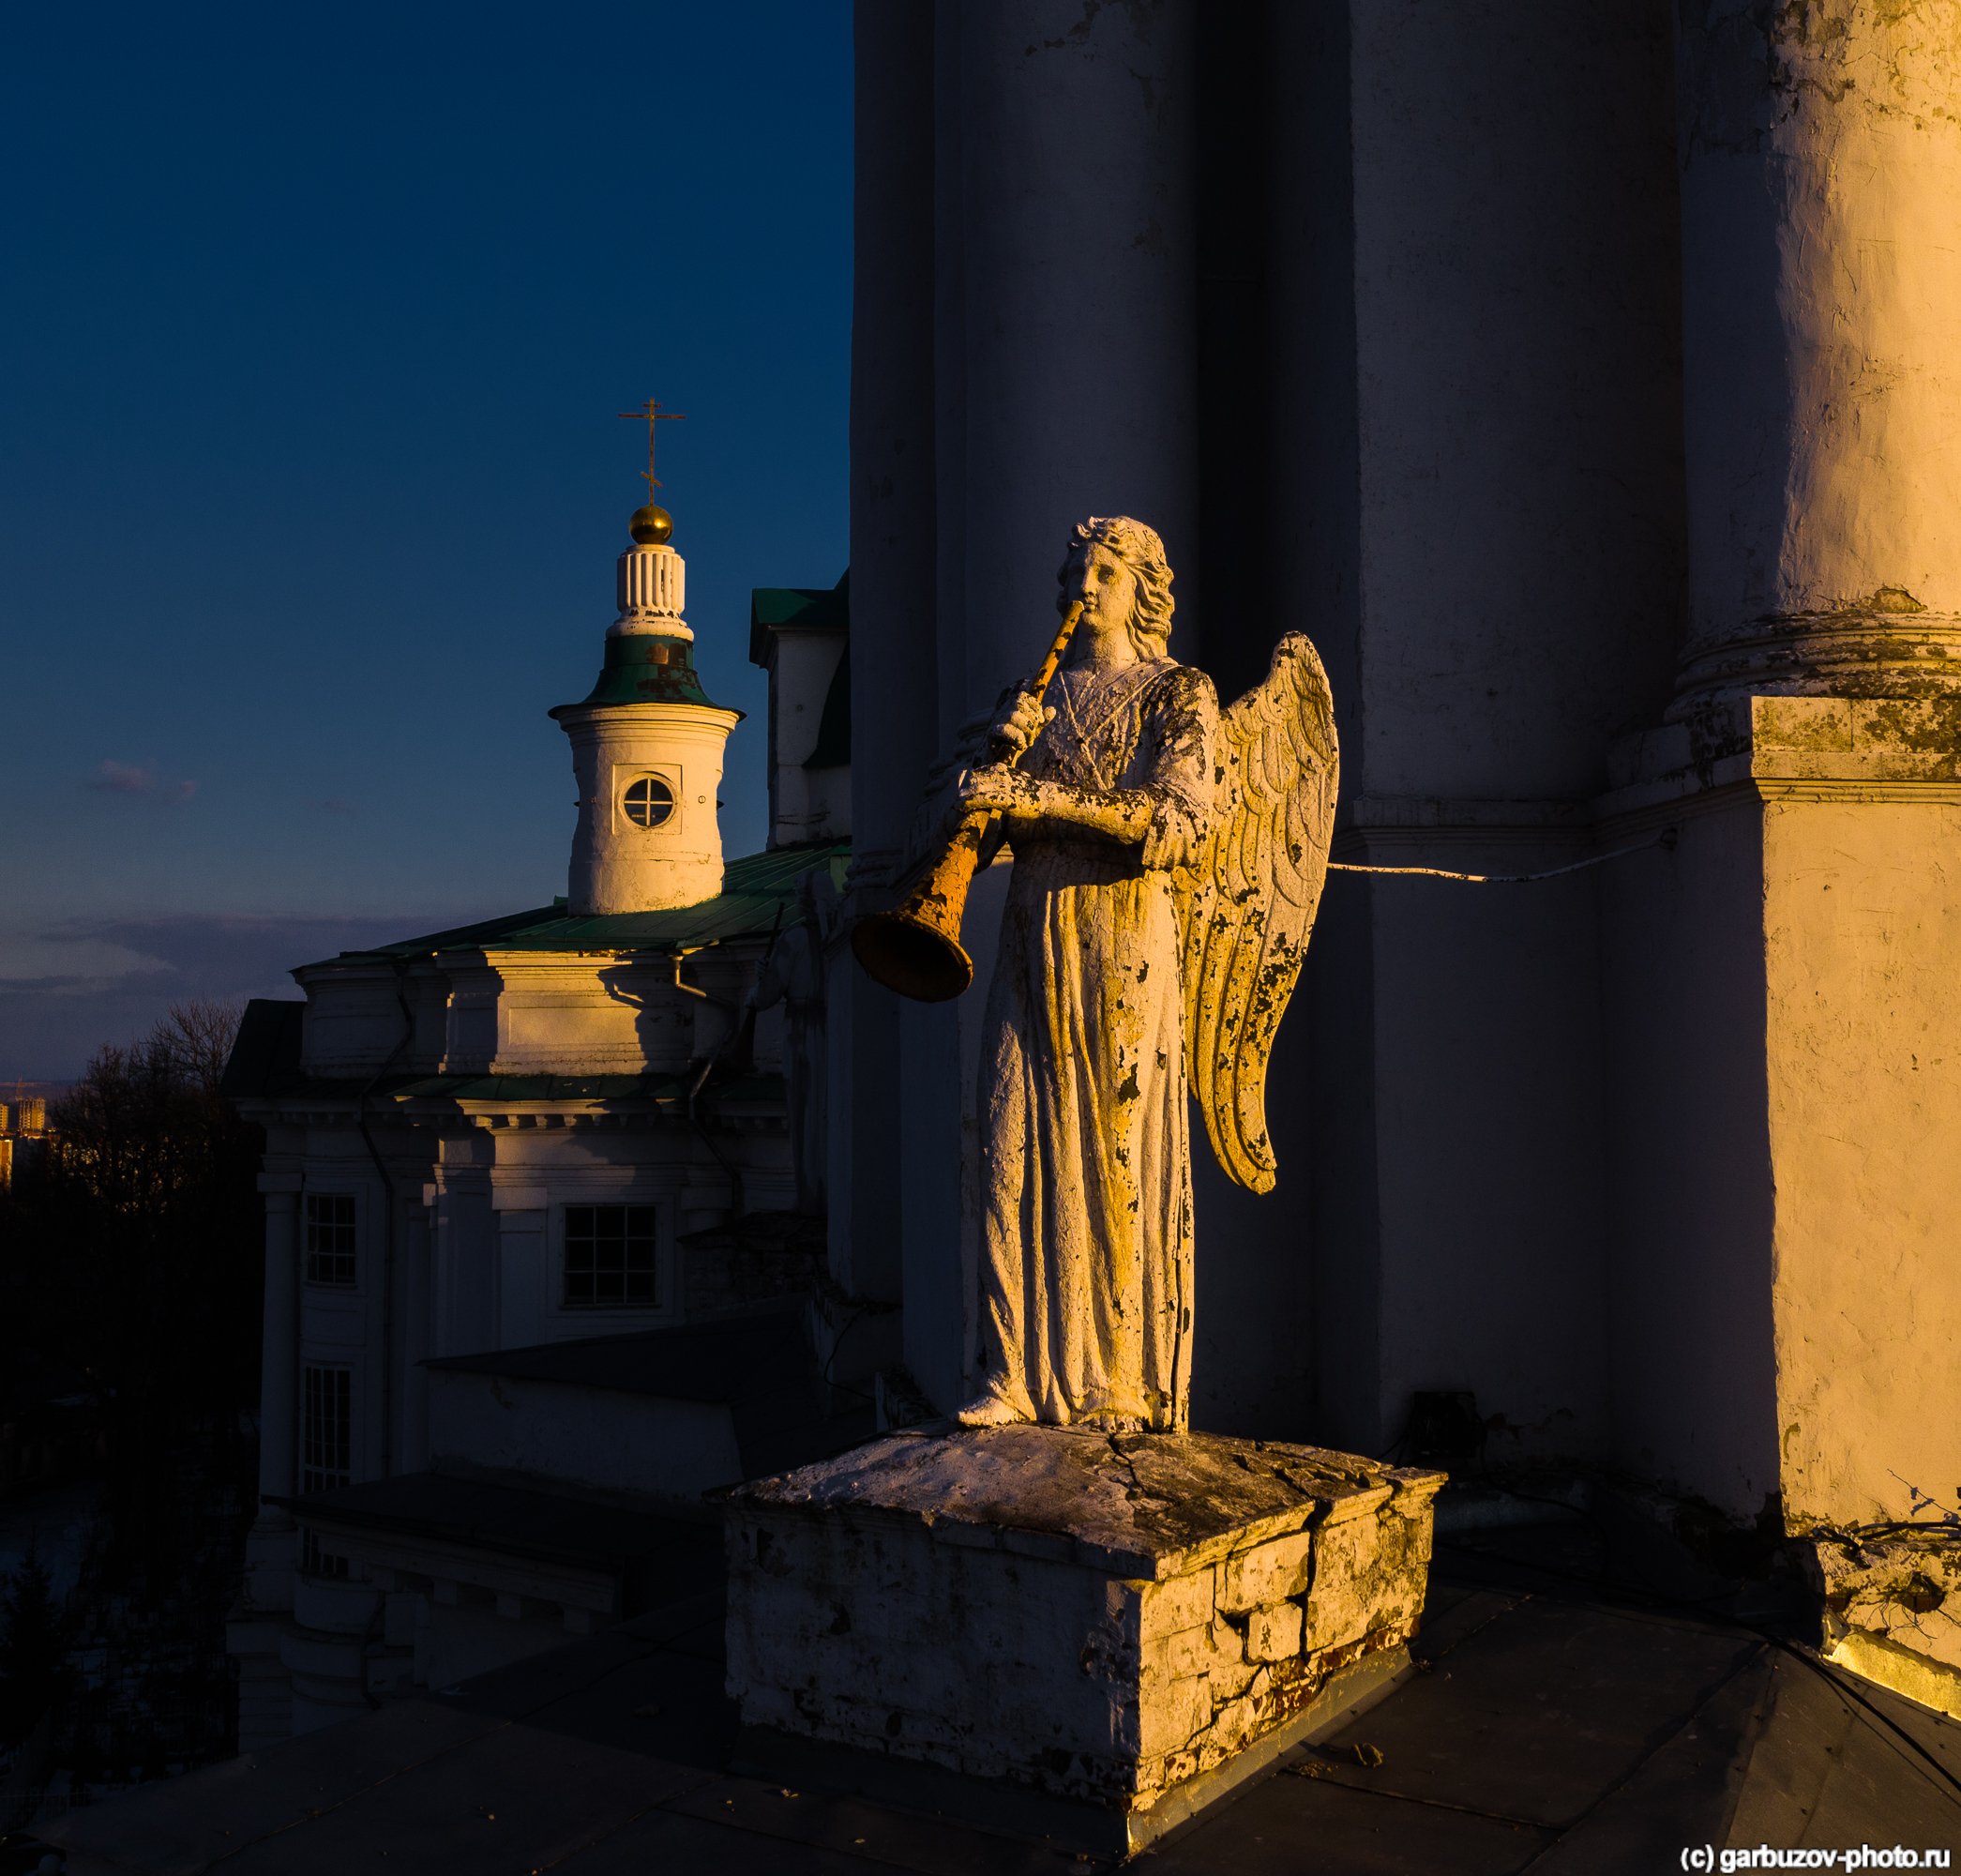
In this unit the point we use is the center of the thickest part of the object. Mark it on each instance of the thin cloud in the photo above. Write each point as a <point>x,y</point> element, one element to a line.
<point>114,777</point>
<point>107,979</point>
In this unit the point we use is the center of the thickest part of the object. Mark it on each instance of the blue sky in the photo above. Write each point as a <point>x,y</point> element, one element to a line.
<point>317,321</point>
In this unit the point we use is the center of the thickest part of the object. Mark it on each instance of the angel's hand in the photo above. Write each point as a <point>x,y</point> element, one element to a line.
<point>1018,731</point>
<point>997,788</point>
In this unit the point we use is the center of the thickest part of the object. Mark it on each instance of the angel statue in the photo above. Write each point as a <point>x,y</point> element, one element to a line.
<point>1168,857</point>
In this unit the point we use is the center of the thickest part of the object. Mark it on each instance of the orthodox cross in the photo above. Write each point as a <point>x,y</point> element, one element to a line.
<point>651,414</point>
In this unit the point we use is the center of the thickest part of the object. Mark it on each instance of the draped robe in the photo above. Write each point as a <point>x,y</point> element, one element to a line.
<point>1086,1233</point>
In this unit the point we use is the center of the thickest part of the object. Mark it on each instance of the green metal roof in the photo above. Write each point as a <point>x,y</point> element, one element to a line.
<point>759,894</point>
<point>797,609</point>
<point>646,668</point>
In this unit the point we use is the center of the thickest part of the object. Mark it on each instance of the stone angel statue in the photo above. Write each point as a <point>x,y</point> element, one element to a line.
<point>1168,859</point>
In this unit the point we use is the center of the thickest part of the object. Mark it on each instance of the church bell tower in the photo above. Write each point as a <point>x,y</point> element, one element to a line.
<point>647,743</point>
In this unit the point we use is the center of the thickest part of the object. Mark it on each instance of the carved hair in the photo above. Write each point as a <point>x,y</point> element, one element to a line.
<point>1141,550</point>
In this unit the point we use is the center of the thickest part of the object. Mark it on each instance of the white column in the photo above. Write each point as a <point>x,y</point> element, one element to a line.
<point>256,1629</point>
<point>1065,368</point>
<point>1068,311</point>
<point>893,656</point>
<point>1822,288</point>
<point>279,1395</point>
<point>1785,1303</point>
<point>462,1265</point>
<point>415,1347</point>
<point>521,1264</point>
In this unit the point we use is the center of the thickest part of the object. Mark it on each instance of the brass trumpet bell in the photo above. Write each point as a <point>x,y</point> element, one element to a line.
<point>912,955</point>
<point>916,948</point>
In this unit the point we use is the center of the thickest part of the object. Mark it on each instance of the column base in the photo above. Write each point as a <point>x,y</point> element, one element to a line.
<point>1890,1598</point>
<point>1097,1635</point>
<point>1887,649</point>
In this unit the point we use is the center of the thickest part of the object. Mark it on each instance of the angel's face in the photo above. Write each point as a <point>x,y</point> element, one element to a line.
<point>1108,589</point>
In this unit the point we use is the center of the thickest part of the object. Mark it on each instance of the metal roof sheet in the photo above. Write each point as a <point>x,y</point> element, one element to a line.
<point>797,609</point>
<point>759,894</point>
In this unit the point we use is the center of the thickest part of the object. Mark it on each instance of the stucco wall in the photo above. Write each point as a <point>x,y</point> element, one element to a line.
<point>1862,932</point>
<point>610,1441</point>
<point>1690,1203</point>
<point>1490,1155</point>
<point>1374,312</point>
<point>1519,578</point>
<point>1518,360</point>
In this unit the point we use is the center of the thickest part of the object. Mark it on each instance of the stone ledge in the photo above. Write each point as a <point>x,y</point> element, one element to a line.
<point>1103,1619</point>
<point>1133,1504</point>
<point>1781,742</point>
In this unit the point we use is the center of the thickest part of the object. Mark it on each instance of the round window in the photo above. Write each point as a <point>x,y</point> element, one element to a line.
<point>648,802</point>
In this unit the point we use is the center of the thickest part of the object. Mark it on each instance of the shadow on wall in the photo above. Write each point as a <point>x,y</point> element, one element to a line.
<point>1253,1345</point>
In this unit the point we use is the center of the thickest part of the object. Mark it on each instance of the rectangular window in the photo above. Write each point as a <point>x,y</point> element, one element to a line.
<point>609,1257</point>
<point>330,1238</point>
<point>314,1562</point>
<point>326,1453</point>
<point>326,1447</point>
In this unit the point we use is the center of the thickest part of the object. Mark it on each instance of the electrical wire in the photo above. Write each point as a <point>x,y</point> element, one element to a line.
<point>1667,838</point>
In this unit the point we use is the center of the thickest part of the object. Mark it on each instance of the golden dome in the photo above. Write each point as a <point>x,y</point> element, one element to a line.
<point>650,525</point>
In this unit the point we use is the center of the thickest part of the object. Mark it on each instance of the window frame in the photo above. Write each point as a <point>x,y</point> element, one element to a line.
<point>624,774</point>
<point>652,1235</point>
<point>310,1257</point>
<point>315,1473</point>
<point>670,807</point>
<point>313,1561</point>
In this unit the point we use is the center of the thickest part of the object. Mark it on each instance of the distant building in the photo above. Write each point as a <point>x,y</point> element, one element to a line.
<point>543,1232</point>
<point>23,1136</point>
<point>800,635</point>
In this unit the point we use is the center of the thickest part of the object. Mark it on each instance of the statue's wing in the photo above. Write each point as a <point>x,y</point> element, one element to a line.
<point>1251,903</point>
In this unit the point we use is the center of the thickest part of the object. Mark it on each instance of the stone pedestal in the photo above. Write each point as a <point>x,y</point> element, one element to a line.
<point>1784,980</point>
<point>1120,1629</point>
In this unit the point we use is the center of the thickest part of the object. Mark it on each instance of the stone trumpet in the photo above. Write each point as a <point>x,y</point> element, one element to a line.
<point>916,948</point>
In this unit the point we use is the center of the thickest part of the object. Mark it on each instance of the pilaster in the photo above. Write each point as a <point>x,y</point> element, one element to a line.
<point>256,1628</point>
<point>1063,338</point>
<point>278,1400</point>
<point>1785,1096</point>
<point>520,1211</point>
<point>1822,160</point>
<point>1783,993</point>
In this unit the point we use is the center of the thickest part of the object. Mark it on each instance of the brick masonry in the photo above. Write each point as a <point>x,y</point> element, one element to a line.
<point>1103,1618</point>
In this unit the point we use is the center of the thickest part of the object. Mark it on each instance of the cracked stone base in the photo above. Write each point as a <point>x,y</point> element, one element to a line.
<point>1125,1625</point>
<point>1891,1607</point>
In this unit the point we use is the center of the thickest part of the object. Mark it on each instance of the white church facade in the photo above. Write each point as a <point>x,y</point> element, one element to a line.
<point>1581,381</point>
<point>535,1202</point>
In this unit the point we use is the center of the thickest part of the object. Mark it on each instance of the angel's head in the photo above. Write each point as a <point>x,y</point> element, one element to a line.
<point>1117,568</point>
